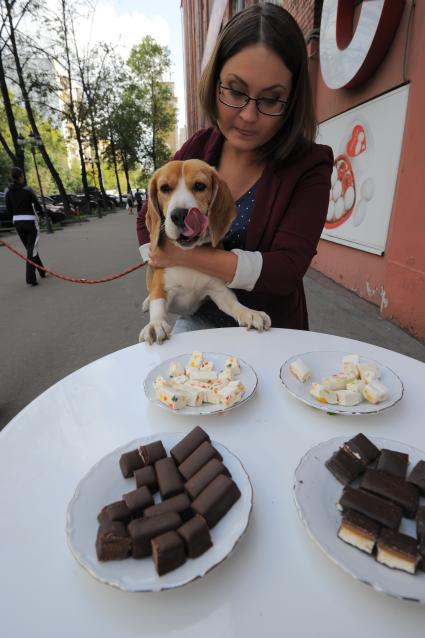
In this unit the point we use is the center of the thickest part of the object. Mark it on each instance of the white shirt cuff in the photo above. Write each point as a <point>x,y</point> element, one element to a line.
<point>248,269</point>
<point>144,251</point>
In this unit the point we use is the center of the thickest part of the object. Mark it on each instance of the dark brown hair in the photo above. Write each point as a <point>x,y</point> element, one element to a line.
<point>16,173</point>
<point>274,27</point>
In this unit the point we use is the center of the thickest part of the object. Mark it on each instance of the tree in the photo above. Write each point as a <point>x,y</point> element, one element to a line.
<point>150,63</point>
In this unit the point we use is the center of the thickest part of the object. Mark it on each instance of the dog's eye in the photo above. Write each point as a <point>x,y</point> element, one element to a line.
<point>199,186</point>
<point>165,188</point>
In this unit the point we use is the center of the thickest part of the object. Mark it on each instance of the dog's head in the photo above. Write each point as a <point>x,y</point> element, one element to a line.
<point>190,202</point>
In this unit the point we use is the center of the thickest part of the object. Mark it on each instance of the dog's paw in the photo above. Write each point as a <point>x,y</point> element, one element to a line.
<point>145,304</point>
<point>155,332</point>
<point>254,319</point>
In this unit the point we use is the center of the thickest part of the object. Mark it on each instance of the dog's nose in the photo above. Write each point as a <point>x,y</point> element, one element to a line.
<point>178,216</point>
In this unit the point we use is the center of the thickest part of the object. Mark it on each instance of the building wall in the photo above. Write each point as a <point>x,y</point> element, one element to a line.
<point>395,281</point>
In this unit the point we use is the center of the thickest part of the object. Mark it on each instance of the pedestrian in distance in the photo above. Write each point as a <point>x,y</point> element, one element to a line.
<point>255,91</point>
<point>139,199</point>
<point>23,206</point>
<point>130,202</point>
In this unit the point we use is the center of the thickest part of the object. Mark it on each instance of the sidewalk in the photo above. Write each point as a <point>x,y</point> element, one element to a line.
<point>49,331</point>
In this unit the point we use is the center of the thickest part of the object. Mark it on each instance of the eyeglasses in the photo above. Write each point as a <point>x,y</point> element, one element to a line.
<point>238,100</point>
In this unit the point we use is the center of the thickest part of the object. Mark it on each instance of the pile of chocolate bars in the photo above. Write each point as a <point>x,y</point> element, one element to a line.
<point>196,491</point>
<point>373,511</point>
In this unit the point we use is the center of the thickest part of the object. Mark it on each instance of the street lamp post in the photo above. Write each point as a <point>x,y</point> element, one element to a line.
<point>33,142</point>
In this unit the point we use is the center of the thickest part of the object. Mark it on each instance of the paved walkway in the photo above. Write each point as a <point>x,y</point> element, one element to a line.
<point>55,328</point>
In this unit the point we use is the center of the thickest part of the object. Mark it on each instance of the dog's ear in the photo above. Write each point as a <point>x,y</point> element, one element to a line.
<point>153,214</point>
<point>222,210</point>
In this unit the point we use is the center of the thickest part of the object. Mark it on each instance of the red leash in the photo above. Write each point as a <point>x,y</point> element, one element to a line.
<point>73,280</point>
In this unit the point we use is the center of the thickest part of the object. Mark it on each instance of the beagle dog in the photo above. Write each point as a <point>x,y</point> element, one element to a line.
<point>191,205</point>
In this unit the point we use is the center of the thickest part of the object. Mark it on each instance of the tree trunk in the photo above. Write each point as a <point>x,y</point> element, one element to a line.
<point>126,172</point>
<point>18,159</point>
<point>55,175</point>
<point>114,160</point>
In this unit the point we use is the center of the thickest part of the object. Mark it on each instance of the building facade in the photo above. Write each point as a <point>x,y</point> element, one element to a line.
<point>374,238</point>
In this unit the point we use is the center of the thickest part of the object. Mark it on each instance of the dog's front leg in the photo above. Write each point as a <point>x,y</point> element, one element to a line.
<point>158,329</point>
<point>227,301</point>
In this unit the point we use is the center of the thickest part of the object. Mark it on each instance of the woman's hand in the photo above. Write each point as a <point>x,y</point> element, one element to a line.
<point>166,255</point>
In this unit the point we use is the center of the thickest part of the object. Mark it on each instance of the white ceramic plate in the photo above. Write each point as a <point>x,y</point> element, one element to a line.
<point>323,364</point>
<point>247,376</point>
<point>316,492</point>
<point>105,484</point>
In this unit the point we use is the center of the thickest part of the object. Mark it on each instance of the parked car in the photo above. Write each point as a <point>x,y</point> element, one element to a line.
<point>5,219</point>
<point>55,211</point>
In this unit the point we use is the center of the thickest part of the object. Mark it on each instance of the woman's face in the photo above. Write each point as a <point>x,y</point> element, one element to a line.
<point>260,73</point>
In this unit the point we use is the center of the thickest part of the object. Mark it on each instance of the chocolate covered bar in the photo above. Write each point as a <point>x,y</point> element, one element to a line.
<point>196,536</point>
<point>216,499</point>
<point>392,488</point>
<point>167,552</point>
<point>117,511</point>
<point>360,448</point>
<point>393,462</point>
<point>417,476</point>
<point>152,452</point>
<point>188,444</point>
<point>138,500</point>
<point>375,507</point>
<point>113,541</point>
<point>344,467</point>
<point>146,476</point>
<point>169,480</point>
<point>206,474</point>
<point>198,459</point>
<point>397,550</point>
<point>420,522</point>
<point>359,530</point>
<point>142,530</point>
<point>130,461</point>
<point>180,503</point>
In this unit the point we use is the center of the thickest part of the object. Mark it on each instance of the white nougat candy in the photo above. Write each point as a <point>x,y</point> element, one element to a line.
<point>211,394</point>
<point>173,398</point>
<point>176,369</point>
<point>322,394</point>
<point>366,370</point>
<point>178,380</point>
<point>375,392</point>
<point>356,386</point>
<point>232,364</point>
<point>224,377</point>
<point>349,397</point>
<point>160,382</point>
<point>208,376</point>
<point>231,393</point>
<point>350,370</point>
<point>194,361</point>
<point>353,359</point>
<point>194,396</point>
<point>207,365</point>
<point>336,381</point>
<point>300,370</point>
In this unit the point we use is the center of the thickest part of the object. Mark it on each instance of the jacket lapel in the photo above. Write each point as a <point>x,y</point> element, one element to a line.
<point>266,193</point>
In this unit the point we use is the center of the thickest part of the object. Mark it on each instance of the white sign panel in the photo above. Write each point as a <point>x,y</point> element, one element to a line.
<point>366,142</point>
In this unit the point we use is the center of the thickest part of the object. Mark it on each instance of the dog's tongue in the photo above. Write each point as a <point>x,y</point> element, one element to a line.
<point>195,223</point>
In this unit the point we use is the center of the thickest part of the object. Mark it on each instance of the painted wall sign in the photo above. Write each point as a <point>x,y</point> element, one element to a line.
<point>366,142</point>
<point>348,59</point>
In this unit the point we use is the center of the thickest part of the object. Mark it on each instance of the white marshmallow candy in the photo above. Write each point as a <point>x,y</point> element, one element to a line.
<point>336,381</point>
<point>356,386</point>
<point>231,393</point>
<point>173,398</point>
<point>232,364</point>
<point>322,394</point>
<point>194,361</point>
<point>207,365</point>
<point>300,370</point>
<point>375,392</point>
<point>349,397</point>
<point>207,376</point>
<point>366,369</point>
<point>176,369</point>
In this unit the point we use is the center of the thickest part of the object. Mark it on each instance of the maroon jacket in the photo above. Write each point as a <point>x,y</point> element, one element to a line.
<point>287,220</point>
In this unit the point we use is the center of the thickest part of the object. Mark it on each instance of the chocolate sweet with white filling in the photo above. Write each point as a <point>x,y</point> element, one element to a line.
<point>146,476</point>
<point>359,530</point>
<point>377,508</point>
<point>117,511</point>
<point>167,552</point>
<point>397,550</point>
<point>169,479</point>
<point>152,452</point>
<point>129,462</point>
<point>179,503</point>
<point>216,499</point>
<point>138,500</point>
<point>393,488</point>
<point>204,453</point>
<point>344,466</point>
<point>420,522</point>
<point>417,476</point>
<point>204,476</point>
<point>113,541</point>
<point>188,444</point>
<point>393,462</point>
<point>362,449</point>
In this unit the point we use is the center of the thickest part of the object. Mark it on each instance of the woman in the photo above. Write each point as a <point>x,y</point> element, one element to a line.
<point>20,203</point>
<point>256,92</point>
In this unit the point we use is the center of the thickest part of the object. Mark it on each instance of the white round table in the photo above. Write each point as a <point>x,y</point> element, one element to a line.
<point>276,583</point>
